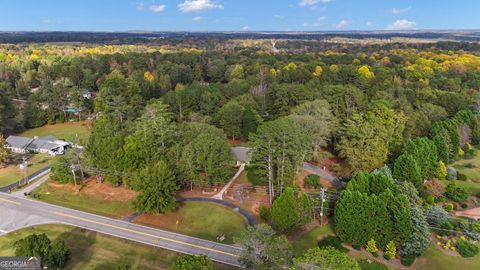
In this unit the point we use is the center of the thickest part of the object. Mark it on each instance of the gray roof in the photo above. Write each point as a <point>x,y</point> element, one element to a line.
<point>50,138</point>
<point>241,153</point>
<point>42,144</point>
<point>18,142</point>
<point>47,143</point>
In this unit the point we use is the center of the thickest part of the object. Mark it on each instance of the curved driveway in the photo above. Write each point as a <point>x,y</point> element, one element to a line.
<point>17,212</point>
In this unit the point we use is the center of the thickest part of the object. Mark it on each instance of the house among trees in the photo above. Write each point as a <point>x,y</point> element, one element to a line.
<point>241,155</point>
<point>48,144</point>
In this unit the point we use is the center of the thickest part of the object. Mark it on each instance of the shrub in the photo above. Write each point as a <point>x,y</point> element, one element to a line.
<point>436,215</point>
<point>372,247</point>
<point>461,177</point>
<point>357,247</point>
<point>445,229</point>
<point>455,192</point>
<point>451,173</point>
<point>408,259</point>
<point>466,249</point>
<point>448,207</point>
<point>390,250</point>
<point>435,188</point>
<point>312,181</point>
<point>464,205</point>
<point>264,213</point>
<point>430,200</point>
<point>332,241</point>
<point>371,265</point>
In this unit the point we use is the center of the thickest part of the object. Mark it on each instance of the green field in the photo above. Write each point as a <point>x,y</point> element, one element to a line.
<point>82,201</point>
<point>91,250</point>
<point>199,219</point>
<point>66,131</point>
<point>13,173</point>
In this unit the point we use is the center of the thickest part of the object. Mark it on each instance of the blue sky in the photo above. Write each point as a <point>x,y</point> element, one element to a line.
<point>238,15</point>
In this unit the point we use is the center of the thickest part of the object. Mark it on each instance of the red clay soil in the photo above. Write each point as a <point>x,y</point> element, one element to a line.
<point>235,142</point>
<point>473,213</point>
<point>103,190</point>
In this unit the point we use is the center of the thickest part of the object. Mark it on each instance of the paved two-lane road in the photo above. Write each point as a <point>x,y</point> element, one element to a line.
<point>17,212</point>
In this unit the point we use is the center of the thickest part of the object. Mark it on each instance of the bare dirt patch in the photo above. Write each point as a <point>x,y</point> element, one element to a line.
<point>473,213</point>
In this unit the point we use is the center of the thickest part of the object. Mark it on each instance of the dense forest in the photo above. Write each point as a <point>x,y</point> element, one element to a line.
<point>163,118</point>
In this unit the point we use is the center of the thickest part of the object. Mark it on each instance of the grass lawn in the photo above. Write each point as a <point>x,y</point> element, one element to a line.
<point>200,219</point>
<point>83,201</point>
<point>309,239</point>
<point>435,259</point>
<point>91,250</point>
<point>66,131</point>
<point>13,173</point>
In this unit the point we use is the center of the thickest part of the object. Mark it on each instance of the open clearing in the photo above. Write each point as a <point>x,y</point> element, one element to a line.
<point>13,173</point>
<point>65,131</point>
<point>200,219</point>
<point>91,250</point>
<point>93,197</point>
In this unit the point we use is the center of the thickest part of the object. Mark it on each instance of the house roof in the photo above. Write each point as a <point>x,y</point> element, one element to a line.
<point>48,142</point>
<point>18,142</point>
<point>42,144</point>
<point>241,153</point>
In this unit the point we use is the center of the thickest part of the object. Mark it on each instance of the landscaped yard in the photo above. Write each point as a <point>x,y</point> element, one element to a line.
<point>95,198</point>
<point>435,259</point>
<point>91,250</point>
<point>310,239</point>
<point>471,168</point>
<point>13,173</point>
<point>65,131</point>
<point>200,219</point>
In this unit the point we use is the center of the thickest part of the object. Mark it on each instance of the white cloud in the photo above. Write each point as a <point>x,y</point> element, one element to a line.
<point>397,11</point>
<point>198,5</point>
<point>342,24</point>
<point>157,8</point>
<point>245,28</point>
<point>197,18</point>
<point>313,2</point>
<point>402,25</point>
<point>279,17</point>
<point>368,23</point>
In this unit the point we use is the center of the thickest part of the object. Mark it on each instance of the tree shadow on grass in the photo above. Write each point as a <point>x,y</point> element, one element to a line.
<point>80,242</point>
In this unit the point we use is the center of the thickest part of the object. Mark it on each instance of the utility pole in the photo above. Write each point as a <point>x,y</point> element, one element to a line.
<point>322,193</point>
<point>72,167</point>
<point>24,167</point>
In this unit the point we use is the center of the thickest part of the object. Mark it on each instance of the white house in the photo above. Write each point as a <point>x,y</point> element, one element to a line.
<point>49,145</point>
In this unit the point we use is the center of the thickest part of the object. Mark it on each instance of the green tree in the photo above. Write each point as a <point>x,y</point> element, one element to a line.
<point>206,160</point>
<point>406,169</point>
<point>441,171</point>
<point>250,122</point>
<point>284,215</point>
<point>263,250</point>
<point>325,258</point>
<point>230,119</point>
<point>305,208</point>
<point>192,262</point>
<point>316,118</point>
<point>61,171</point>
<point>53,255</point>
<point>419,239</point>
<point>424,152</point>
<point>3,151</point>
<point>365,138</point>
<point>442,148</point>
<point>360,182</point>
<point>157,188</point>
